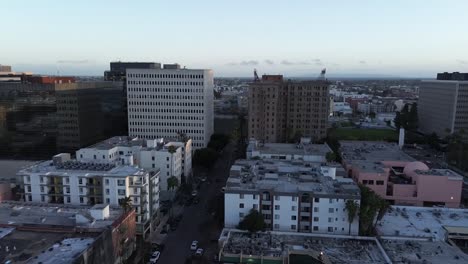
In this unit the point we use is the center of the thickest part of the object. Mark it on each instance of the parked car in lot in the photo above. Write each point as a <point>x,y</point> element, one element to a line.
<point>194,245</point>
<point>155,257</point>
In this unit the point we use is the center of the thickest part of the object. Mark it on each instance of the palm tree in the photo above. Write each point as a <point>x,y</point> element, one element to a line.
<point>352,207</point>
<point>126,204</point>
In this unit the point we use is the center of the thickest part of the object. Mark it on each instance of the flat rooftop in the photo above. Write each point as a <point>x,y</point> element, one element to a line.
<point>276,244</point>
<point>413,251</point>
<point>290,149</point>
<point>85,169</point>
<point>421,222</point>
<point>42,247</point>
<point>47,215</point>
<point>368,155</point>
<point>289,177</point>
<point>126,141</point>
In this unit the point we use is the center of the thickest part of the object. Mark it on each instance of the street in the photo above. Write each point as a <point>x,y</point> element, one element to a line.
<point>197,222</point>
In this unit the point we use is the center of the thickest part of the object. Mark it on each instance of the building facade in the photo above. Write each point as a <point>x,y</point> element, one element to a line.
<point>443,105</point>
<point>66,181</point>
<point>292,196</point>
<point>169,158</point>
<point>280,111</point>
<point>167,102</point>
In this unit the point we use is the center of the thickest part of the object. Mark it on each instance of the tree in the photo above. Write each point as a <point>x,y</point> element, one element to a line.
<point>126,203</point>
<point>352,207</point>
<point>330,156</point>
<point>171,149</point>
<point>172,182</point>
<point>253,222</point>
<point>433,141</point>
<point>372,205</point>
<point>205,157</point>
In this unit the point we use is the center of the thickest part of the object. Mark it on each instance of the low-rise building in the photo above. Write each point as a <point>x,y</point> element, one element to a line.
<point>292,196</point>
<point>36,233</point>
<point>171,158</point>
<point>304,150</point>
<point>397,177</point>
<point>73,182</point>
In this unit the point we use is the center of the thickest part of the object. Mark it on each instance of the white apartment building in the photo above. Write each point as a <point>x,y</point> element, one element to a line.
<point>66,181</point>
<point>292,196</point>
<point>170,158</point>
<point>165,102</point>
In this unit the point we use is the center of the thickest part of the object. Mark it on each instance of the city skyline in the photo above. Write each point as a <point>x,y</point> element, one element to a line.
<point>398,38</point>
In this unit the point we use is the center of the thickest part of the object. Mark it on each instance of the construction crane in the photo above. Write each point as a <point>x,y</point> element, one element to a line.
<point>322,74</point>
<point>256,79</point>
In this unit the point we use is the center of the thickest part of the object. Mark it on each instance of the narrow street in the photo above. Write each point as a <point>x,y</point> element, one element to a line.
<point>197,222</point>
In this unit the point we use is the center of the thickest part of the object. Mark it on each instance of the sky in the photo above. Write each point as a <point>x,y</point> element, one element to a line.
<point>405,38</point>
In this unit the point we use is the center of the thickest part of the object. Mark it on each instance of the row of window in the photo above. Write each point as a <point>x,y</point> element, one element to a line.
<point>371,182</point>
<point>165,110</point>
<point>171,83</point>
<point>165,76</point>
<point>266,196</point>
<point>166,117</point>
<point>164,90</point>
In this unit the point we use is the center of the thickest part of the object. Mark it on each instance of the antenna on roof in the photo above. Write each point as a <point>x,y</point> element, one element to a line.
<point>256,79</point>
<point>322,74</point>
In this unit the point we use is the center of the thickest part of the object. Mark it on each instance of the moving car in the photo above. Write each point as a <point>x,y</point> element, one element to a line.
<point>194,245</point>
<point>154,258</point>
<point>199,252</point>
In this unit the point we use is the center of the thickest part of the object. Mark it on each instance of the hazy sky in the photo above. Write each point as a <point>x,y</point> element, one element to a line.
<point>294,37</point>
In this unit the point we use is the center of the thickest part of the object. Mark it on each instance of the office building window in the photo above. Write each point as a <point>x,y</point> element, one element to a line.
<point>293,227</point>
<point>293,217</point>
<point>241,205</point>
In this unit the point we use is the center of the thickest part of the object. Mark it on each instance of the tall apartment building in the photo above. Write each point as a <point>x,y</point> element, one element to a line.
<point>443,104</point>
<point>170,158</point>
<point>282,110</point>
<point>162,103</point>
<point>66,181</point>
<point>292,196</point>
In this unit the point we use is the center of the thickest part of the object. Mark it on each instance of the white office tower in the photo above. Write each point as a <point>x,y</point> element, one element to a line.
<point>165,102</point>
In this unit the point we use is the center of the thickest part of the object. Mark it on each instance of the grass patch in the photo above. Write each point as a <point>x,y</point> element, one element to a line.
<point>366,134</point>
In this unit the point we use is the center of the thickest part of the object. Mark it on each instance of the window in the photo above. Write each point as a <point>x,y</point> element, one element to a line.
<point>379,182</point>
<point>241,205</point>
<point>42,188</point>
<point>255,197</point>
<point>293,227</point>
<point>28,178</point>
<point>68,199</point>
<point>316,209</point>
<point>316,219</point>
<point>80,181</point>
<point>277,198</point>
<point>121,191</point>
<point>331,210</point>
<point>121,182</point>
<point>317,200</point>
<point>241,214</point>
<point>315,228</point>
<point>67,189</point>
<point>277,207</point>
<point>29,188</point>
<point>81,190</point>
<point>293,217</point>
<point>371,182</point>
<point>330,229</point>
<point>330,220</point>
<point>276,226</point>
<point>43,198</point>
<point>107,191</point>
<point>331,200</point>
<point>67,180</point>
<point>294,198</point>
<point>107,200</point>
<point>293,208</point>
<point>277,216</point>
<point>107,181</point>
<point>255,206</point>
<point>81,200</point>
<point>241,196</point>
<point>365,181</point>
<point>42,179</point>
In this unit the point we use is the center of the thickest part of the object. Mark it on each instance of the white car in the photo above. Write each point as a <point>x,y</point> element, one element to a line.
<point>199,252</point>
<point>194,193</point>
<point>194,245</point>
<point>154,258</point>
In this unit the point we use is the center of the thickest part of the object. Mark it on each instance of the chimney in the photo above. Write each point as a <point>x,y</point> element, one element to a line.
<point>401,139</point>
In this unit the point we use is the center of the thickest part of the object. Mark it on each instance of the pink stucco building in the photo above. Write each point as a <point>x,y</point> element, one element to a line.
<point>397,177</point>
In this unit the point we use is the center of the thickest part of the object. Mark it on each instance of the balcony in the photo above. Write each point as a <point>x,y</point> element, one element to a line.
<point>266,202</point>
<point>304,214</point>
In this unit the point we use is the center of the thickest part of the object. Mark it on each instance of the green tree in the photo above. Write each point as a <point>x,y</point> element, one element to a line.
<point>172,183</point>
<point>253,222</point>
<point>372,205</point>
<point>413,117</point>
<point>126,203</point>
<point>352,207</point>
<point>171,149</point>
<point>330,156</point>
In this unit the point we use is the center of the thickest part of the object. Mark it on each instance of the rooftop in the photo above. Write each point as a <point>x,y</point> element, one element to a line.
<point>42,247</point>
<point>413,251</point>
<point>125,141</point>
<point>289,149</point>
<point>86,169</point>
<point>421,222</point>
<point>53,216</point>
<point>287,177</point>
<point>338,249</point>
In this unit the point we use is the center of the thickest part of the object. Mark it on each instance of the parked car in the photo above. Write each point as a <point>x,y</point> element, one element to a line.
<point>154,258</point>
<point>194,245</point>
<point>194,193</point>
<point>199,252</point>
